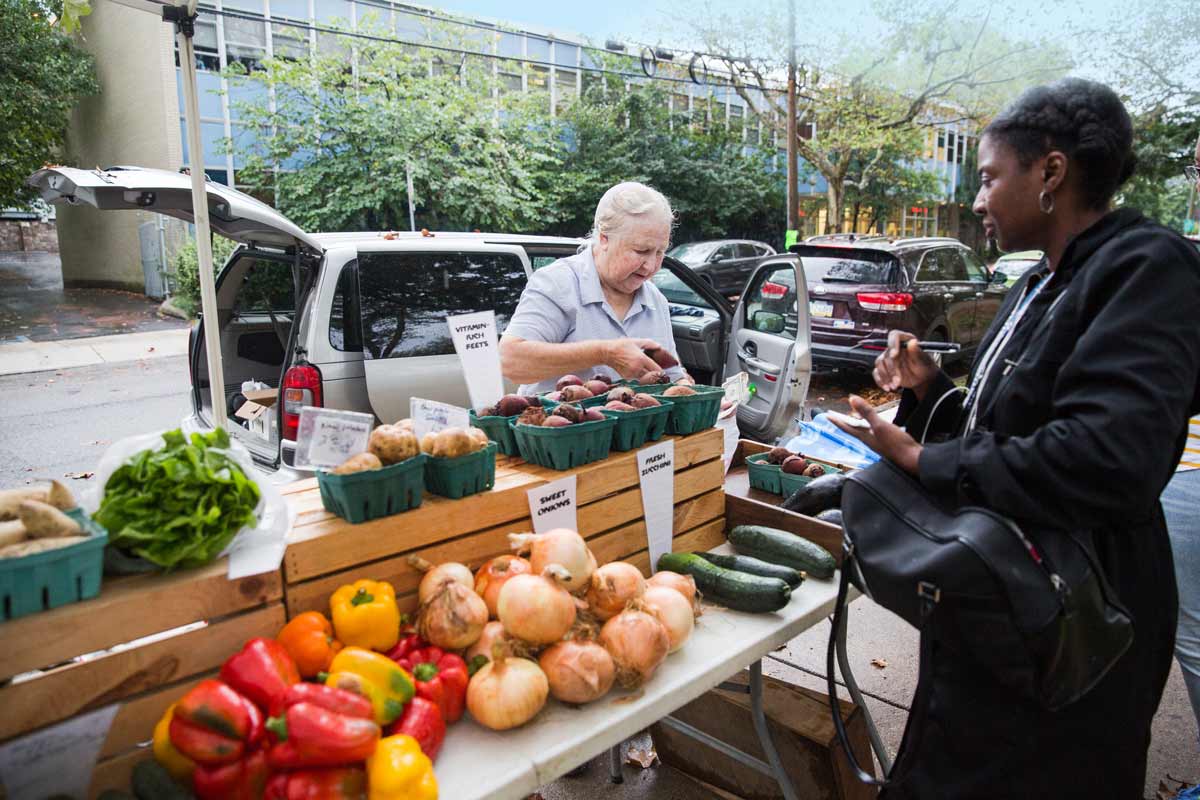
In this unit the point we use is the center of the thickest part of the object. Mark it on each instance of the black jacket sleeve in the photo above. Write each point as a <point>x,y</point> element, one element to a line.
<point>1120,400</point>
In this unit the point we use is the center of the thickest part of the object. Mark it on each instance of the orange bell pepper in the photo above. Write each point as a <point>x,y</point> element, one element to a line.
<point>308,638</point>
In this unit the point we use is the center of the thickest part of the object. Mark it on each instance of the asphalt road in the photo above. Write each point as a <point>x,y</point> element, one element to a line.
<point>56,424</point>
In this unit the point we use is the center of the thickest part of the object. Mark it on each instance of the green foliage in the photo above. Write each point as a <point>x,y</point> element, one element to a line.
<point>187,271</point>
<point>1164,142</point>
<point>43,74</point>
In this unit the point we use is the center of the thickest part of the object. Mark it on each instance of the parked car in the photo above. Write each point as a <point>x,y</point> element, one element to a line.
<point>1012,266</point>
<point>356,321</point>
<point>934,288</point>
<point>725,263</point>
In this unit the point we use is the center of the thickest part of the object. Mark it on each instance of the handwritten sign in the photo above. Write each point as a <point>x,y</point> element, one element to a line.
<point>729,429</point>
<point>553,505</point>
<point>55,761</point>
<point>430,416</point>
<point>327,437</point>
<point>656,473</point>
<point>475,342</point>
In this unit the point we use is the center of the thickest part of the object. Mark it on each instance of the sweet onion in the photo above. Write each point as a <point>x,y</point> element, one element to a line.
<point>637,642</point>
<point>507,691</point>
<point>493,632</point>
<point>436,576</point>
<point>491,577</point>
<point>578,671</point>
<point>536,608</point>
<point>560,546</point>
<point>453,618</point>
<point>674,612</point>
<point>684,584</point>
<point>613,586</point>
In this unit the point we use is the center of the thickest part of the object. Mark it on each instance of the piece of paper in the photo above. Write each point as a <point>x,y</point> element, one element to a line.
<point>475,342</point>
<point>729,428</point>
<point>553,505</point>
<point>430,416</point>
<point>656,473</point>
<point>327,437</point>
<point>57,760</point>
<point>737,388</point>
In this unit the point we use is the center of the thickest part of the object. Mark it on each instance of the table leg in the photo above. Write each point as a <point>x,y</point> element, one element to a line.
<point>614,764</point>
<point>764,734</point>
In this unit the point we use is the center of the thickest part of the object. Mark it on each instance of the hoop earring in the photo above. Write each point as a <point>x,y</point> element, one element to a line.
<point>1046,203</point>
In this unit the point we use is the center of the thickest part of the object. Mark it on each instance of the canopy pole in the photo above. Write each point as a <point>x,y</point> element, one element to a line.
<point>185,26</point>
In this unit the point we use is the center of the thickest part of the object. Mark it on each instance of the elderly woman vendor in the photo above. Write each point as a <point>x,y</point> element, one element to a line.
<point>597,311</point>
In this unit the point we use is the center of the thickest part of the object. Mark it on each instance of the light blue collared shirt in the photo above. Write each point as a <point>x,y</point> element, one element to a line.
<point>564,302</point>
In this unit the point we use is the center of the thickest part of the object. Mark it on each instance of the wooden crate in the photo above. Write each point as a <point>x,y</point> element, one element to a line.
<point>74,659</point>
<point>325,552</point>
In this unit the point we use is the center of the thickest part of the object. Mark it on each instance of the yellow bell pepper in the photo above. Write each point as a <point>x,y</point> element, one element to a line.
<point>365,615</point>
<point>374,676</point>
<point>165,753</point>
<point>398,770</point>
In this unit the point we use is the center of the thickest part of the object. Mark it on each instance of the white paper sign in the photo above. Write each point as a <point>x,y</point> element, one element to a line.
<point>553,505</point>
<point>327,437</point>
<point>737,388</point>
<point>475,342</point>
<point>57,760</point>
<point>656,473</point>
<point>729,427</point>
<point>430,416</point>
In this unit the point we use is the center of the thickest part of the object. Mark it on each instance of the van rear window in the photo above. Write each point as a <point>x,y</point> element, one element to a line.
<point>847,270</point>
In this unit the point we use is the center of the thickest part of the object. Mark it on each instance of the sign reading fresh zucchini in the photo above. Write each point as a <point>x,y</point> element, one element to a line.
<point>781,547</point>
<point>730,588</point>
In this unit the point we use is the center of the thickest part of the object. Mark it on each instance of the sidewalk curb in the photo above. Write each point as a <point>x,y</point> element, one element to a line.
<point>24,357</point>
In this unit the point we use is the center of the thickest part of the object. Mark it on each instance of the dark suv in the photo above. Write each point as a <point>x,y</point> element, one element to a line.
<point>934,288</point>
<point>726,264</point>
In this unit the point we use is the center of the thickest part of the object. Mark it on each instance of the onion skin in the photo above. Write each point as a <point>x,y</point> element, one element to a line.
<point>560,546</point>
<point>491,577</point>
<point>436,576</point>
<point>612,587</point>
<point>493,632</point>
<point>638,643</point>
<point>578,671</point>
<point>536,608</point>
<point>506,693</point>
<point>453,618</point>
<point>673,610</point>
<point>684,584</point>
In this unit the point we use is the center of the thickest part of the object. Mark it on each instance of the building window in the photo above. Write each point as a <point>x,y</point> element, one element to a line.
<point>289,42</point>
<point>564,87</point>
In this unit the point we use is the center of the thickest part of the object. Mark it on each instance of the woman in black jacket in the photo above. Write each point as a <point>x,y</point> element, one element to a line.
<point>1075,417</point>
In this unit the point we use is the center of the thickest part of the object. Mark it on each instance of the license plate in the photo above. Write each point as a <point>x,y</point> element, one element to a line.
<point>843,323</point>
<point>820,308</point>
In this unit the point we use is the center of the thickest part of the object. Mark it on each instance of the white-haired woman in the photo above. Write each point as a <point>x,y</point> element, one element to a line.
<point>597,311</point>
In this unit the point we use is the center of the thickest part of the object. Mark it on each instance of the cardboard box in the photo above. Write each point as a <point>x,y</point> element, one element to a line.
<point>263,397</point>
<point>800,727</point>
<point>259,418</point>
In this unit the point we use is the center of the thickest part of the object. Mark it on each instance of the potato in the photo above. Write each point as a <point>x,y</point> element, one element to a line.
<point>405,424</point>
<point>478,437</point>
<point>571,394</point>
<point>359,463</point>
<point>428,441</point>
<point>35,546</point>
<point>393,444</point>
<point>11,499</point>
<point>12,532</point>
<point>452,443</point>
<point>679,390</point>
<point>44,521</point>
<point>60,496</point>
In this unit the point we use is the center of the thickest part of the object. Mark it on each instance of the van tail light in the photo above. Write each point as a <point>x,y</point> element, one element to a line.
<point>301,387</point>
<point>885,301</point>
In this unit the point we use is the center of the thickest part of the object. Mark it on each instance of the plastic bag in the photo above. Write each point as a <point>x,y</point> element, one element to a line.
<point>252,550</point>
<point>821,439</point>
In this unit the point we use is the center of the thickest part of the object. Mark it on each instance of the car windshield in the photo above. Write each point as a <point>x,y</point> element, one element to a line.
<point>1015,268</point>
<point>693,253</point>
<point>844,269</point>
<point>676,291</point>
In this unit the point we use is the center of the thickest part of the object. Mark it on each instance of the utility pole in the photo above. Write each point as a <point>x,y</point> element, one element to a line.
<point>793,194</point>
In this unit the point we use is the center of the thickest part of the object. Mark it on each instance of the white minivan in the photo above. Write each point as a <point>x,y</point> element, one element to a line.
<point>357,320</point>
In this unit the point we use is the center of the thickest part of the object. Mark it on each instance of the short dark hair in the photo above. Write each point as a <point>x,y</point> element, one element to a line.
<point>1084,119</point>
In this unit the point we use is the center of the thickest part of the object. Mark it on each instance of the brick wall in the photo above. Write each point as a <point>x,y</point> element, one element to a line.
<point>20,235</point>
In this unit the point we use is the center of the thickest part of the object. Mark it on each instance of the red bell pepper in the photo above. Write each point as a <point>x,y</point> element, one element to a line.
<point>339,783</point>
<point>244,779</point>
<point>213,724</point>
<point>409,641</point>
<point>440,677</point>
<point>262,670</point>
<point>323,729</point>
<point>423,721</point>
<point>329,698</point>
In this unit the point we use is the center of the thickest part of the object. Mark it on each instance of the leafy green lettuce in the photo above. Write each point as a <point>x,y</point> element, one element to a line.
<point>181,505</point>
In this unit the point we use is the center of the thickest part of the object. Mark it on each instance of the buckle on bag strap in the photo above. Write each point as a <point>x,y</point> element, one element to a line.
<point>930,595</point>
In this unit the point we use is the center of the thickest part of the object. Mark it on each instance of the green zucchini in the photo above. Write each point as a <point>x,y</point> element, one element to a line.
<point>755,566</point>
<point>151,781</point>
<point>781,547</point>
<point>730,588</point>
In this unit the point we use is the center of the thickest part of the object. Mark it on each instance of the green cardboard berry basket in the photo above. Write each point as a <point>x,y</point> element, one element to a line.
<point>589,402</point>
<point>789,483</point>
<point>764,475</point>
<point>374,493</point>
<point>498,430</point>
<point>567,447</point>
<point>690,413</point>
<point>635,428</point>
<point>459,477</point>
<point>42,581</point>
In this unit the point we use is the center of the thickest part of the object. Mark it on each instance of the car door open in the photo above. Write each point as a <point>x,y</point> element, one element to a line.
<point>770,340</point>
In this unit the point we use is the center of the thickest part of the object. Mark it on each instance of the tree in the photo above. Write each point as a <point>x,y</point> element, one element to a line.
<point>933,64</point>
<point>44,74</point>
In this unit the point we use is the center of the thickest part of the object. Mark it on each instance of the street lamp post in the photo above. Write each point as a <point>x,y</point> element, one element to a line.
<point>793,195</point>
